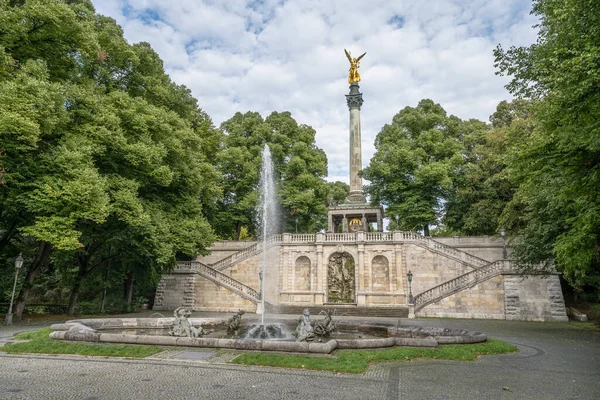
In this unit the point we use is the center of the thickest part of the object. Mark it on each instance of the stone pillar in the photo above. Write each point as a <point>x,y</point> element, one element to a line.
<point>355,101</point>
<point>319,244</point>
<point>345,224</point>
<point>361,298</point>
<point>379,222</point>
<point>330,223</point>
<point>364,223</point>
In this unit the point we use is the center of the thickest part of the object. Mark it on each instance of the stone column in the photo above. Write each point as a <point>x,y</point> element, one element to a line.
<point>361,299</point>
<point>355,101</point>
<point>364,223</point>
<point>345,224</point>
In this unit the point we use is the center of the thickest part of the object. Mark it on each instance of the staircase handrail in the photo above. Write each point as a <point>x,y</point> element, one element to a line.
<point>220,278</point>
<point>249,251</point>
<point>461,282</point>
<point>452,252</point>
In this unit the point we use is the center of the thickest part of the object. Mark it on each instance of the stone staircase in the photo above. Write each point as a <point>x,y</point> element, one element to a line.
<point>461,283</point>
<point>219,278</point>
<point>482,270</point>
<point>241,255</point>
<point>448,251</point>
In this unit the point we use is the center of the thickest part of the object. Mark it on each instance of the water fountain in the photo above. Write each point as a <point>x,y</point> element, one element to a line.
<point>267,217</point>
<point>310,336</point>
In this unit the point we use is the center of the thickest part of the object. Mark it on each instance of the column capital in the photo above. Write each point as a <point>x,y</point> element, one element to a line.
<point>354,99</point>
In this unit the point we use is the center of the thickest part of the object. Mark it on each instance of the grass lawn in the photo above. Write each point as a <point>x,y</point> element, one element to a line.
<point>585,325</point>
<point>40,342</point>
<point>357,361</point>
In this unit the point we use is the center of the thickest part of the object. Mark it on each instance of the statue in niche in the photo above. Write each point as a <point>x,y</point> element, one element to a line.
<point>340,276</point>
<point>235,323</point>
<point>304,331</point>
<point>183,327</point>
<point>353,75</point>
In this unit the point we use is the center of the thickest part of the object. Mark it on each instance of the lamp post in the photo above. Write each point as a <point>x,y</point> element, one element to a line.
<point>18,265</point>
<point>503,235</point>
<point>411,300</point>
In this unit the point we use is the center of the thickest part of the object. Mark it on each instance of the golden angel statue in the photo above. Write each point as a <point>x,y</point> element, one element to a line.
<point>353,75</point>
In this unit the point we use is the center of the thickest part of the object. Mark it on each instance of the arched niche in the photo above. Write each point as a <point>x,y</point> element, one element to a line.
<point>380,271</point>
<point>302,273</point>
<point>341,283</point>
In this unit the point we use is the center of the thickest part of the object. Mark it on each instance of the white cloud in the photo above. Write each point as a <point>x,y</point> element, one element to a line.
<point>276,55</point>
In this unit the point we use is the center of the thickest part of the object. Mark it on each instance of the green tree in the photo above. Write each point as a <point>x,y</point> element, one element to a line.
<point>481,187</point>
<point>412,170</point>
<point>338,192</point>
<point>299,165</point>
<point>556,212</point>
<point>103,156</point>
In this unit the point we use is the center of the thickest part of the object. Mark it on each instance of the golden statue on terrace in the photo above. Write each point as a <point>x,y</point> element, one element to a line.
<point>353,75</point>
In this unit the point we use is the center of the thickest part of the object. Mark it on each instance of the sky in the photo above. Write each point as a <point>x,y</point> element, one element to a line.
<point>288,55</point>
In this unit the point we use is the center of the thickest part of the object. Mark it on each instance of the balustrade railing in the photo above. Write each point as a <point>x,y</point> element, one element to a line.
<point>340,237</point>
<point>303,238</point>
<point>219,277</point>
<point>461,282</point>
<point>243,254</point>
<point>379,236</point>
<point>412,237</point>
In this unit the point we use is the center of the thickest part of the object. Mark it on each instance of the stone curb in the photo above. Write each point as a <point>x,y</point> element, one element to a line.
<point>414,336</point>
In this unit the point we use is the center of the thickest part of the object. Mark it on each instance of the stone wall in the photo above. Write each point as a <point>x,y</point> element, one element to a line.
<point>534,298</point>
<point>176,290</point>
<point>298,274</point>
<point>485,301</point>
<point>512,297</point>
<point>487,247</point>
<point>212,297</point>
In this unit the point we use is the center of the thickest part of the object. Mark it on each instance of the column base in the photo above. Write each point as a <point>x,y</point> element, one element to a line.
<point>356,198</point>
<point>411,311</point>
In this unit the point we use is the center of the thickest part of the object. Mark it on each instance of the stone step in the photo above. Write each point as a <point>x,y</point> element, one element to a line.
<point>392,312</point>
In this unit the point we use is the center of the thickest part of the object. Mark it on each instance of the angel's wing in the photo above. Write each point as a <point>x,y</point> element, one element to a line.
<point>348,55</point>
<point>358,59</point>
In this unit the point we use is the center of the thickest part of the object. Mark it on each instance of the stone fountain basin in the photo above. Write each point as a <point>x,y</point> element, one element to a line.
<point>387,335</point>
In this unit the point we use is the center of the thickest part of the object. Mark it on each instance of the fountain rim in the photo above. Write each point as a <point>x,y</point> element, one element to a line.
<point>90,330</point>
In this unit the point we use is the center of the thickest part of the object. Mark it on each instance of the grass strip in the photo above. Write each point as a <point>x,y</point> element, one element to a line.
<point>585,325</point>
<point>357,361</point>
<point>40,342</point>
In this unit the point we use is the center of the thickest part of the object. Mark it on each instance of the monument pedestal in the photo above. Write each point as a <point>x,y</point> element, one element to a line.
<point>349,217</point>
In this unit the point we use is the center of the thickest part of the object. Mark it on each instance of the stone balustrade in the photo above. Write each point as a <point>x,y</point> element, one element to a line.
<point>461,282</point>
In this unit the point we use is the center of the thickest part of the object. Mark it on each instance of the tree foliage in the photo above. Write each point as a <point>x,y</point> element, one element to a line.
<point>482,188</point>
<point>300,167</point>
<point>412,169</point>
<point>556,211</point>
<point>103,157</point>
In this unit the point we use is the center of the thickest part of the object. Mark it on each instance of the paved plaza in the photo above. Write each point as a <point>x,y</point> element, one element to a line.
<point>556,361</point>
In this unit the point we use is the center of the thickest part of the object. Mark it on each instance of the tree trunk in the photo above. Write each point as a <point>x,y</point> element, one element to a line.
<point>105,283</point>
<point>74,296</point>
<point>82,261</point>
<point>129,288</point>
<point>238,230</point>
<point>40,262</point>
<point>426,230</point>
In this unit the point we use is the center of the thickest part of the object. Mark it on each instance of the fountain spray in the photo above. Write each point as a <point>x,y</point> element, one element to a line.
<point>267,216</point>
